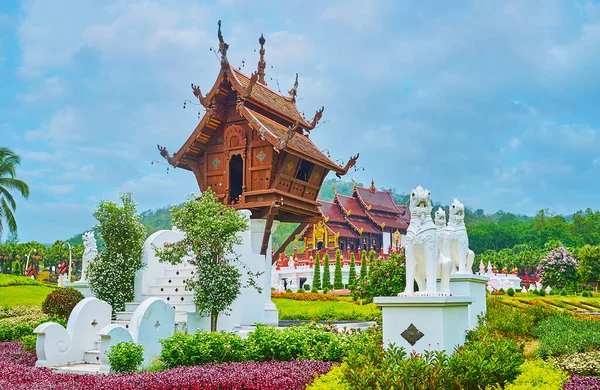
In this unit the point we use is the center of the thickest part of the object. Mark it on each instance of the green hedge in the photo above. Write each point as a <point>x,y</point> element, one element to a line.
<point>563,334</point>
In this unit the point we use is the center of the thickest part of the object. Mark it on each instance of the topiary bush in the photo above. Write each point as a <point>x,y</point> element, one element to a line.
<point>125,356</point>
<point>563,292</point>
<point>288,290</point>
<point>306,286</point>
<point>314,290</point>
<point>325,290</point>
<point>501,290</point>
<point>539,375</point>
<point>300,291</point>
<point>536,292</point>
<point>60,302</point>
<point>510,292</point>
<point>542,292</point>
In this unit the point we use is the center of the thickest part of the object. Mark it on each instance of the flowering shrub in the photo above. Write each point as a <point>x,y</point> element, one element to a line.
<point>385,278</point>
<point>112,273</point>
<point>18,373</point>
<point>201,348</point>
<point>577,382</point>
<point>60,302</point>
<point>558,268</point>
<point>125,356</point>
<point>308,296</point>
<point>587,363</point>
<point>341,293</point>
<point>334,379</point>
<point>20,321</point>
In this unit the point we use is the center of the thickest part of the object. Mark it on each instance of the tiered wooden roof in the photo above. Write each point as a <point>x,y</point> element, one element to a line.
<point>368,210</point>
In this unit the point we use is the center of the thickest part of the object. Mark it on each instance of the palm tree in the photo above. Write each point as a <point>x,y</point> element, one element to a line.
<point>8,163</point>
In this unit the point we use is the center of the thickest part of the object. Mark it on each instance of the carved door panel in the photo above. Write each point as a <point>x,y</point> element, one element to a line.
<point>216,168</point>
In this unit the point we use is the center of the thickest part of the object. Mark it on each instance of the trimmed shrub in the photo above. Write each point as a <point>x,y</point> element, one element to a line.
<point>510,292</point>
<point>288,290</point>
<point>60,302</point>
<point>306,287</point>
<point>300,291</point>
<point>539,375</point>
<point>552,292</point>
<point>334,379</point>
<point>28,342</point>
<point>563,292</point>
<point>309,296</point>
<point>542,292</point>
<point>325,290</point>
<point>125,357</point>
<point>536,292</point>
<point>584,294</point>
<point>314,290</point>
<point>501,290</point>
<point>202,348</point>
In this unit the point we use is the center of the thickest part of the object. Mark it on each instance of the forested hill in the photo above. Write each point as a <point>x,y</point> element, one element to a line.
<point>486,231</point>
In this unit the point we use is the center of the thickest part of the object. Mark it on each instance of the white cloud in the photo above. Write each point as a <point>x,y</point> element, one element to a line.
<point>64,126</point>
<point>51,88</point>
<point>38,156</point>
<point>56,189</point>
<point>514,143</point>
<point>358,14</point>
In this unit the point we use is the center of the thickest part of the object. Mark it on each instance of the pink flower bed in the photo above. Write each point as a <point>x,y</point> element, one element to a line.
<point>577,382</point>
<point>17,372</point>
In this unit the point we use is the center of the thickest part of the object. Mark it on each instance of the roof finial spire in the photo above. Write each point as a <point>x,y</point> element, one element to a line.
<point>222,47</point>
<point>293,92</point>
<point>373,189</point>
<point>262,64</point>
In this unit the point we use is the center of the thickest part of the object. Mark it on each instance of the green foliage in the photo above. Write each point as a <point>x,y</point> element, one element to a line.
<point>8,181</point>
<point>364,269</point>
<point>585,363</point>
<point>539,375</point>
<point>510,292</point>
<point>385,278</point>
<point>211,231</point>
<point>352,272</point>
<point>325,290</point>
<point>28,342</point>
<point>326,310</point>
<point>317,273</point>
<point>326,283</point>
<point>16,268</point>
<point>512,322</point>
<point>306,287</point>
<point>125,356</point>
<point>300,291</point>
<point>563,292</point>
<point>13,280</point>
<point>562,334</point>
<point>112,274</point>
<point>589,263</point>
<point>542,292</point>
<point>334,379</point>
<point>265,343</point>
<point>338,284</point>
<point>314,290</point>
<point>61,302</point>
<point>12,296</point>
<point>18,322</point>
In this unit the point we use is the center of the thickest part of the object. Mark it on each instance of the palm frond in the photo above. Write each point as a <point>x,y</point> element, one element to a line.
<point>16,184</point>
<point>8,216</point>
<point>6,195</point>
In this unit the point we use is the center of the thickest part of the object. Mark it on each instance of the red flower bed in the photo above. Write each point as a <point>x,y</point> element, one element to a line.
<point>17,372</point>
<point>577,382</point>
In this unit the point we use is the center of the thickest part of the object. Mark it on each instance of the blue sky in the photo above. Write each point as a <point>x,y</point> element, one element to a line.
<point>495,103</point>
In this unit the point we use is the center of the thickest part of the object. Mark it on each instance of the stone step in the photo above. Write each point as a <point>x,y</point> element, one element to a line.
<point>124,324</point>
<point>180,271</point>
<point>155,288</point>
<point>171,280</point>
<point>131,306</point>
<point>92,356</point>
<point>124,315</point>
<point>174,298</point>
<point>83,368</point>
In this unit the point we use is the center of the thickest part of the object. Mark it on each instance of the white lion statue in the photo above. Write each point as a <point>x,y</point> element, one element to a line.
<point>422,252</point>
<point>445,262</point>
<point>457,242</point>
<point>90,252</point>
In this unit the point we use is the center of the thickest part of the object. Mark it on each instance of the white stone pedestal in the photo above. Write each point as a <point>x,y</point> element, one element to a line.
<point>473,286</point>
<point>83,287</point>
<point>440,322</point>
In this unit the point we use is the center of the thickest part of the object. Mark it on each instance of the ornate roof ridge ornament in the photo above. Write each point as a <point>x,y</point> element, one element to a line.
<point>294,91</point>
<point>349,164</point>
<point>201,98</point>
<point>372,188</point>
<point>165,154</point>
<point>262,64</point>
<point>317,117</point>
<point>283,142</point>
<point>222,48</point>
<point>254,77</point>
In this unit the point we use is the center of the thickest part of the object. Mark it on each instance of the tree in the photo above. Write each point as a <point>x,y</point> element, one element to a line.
<point>372,261</point>
<point>558,269</point>
<point>352,272</point>
<point>338,283</point>
<point>8,164</point>
<point>55,254</point>
<point>211,231</point>
<point>363,266</point>
<point>317,273</point>
<point>326,272</point>
<point>589,264</point>
<point>112,273</point>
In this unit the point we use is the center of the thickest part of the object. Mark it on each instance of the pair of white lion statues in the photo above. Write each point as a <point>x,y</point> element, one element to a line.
<point>435,250</point>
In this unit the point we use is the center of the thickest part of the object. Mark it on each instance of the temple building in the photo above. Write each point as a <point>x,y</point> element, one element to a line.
<point>367,220</point>
<point>252,148</point>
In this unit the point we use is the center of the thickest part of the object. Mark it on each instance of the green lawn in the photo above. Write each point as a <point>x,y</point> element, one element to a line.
<point>23,295</point>
<point>332,310</point>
